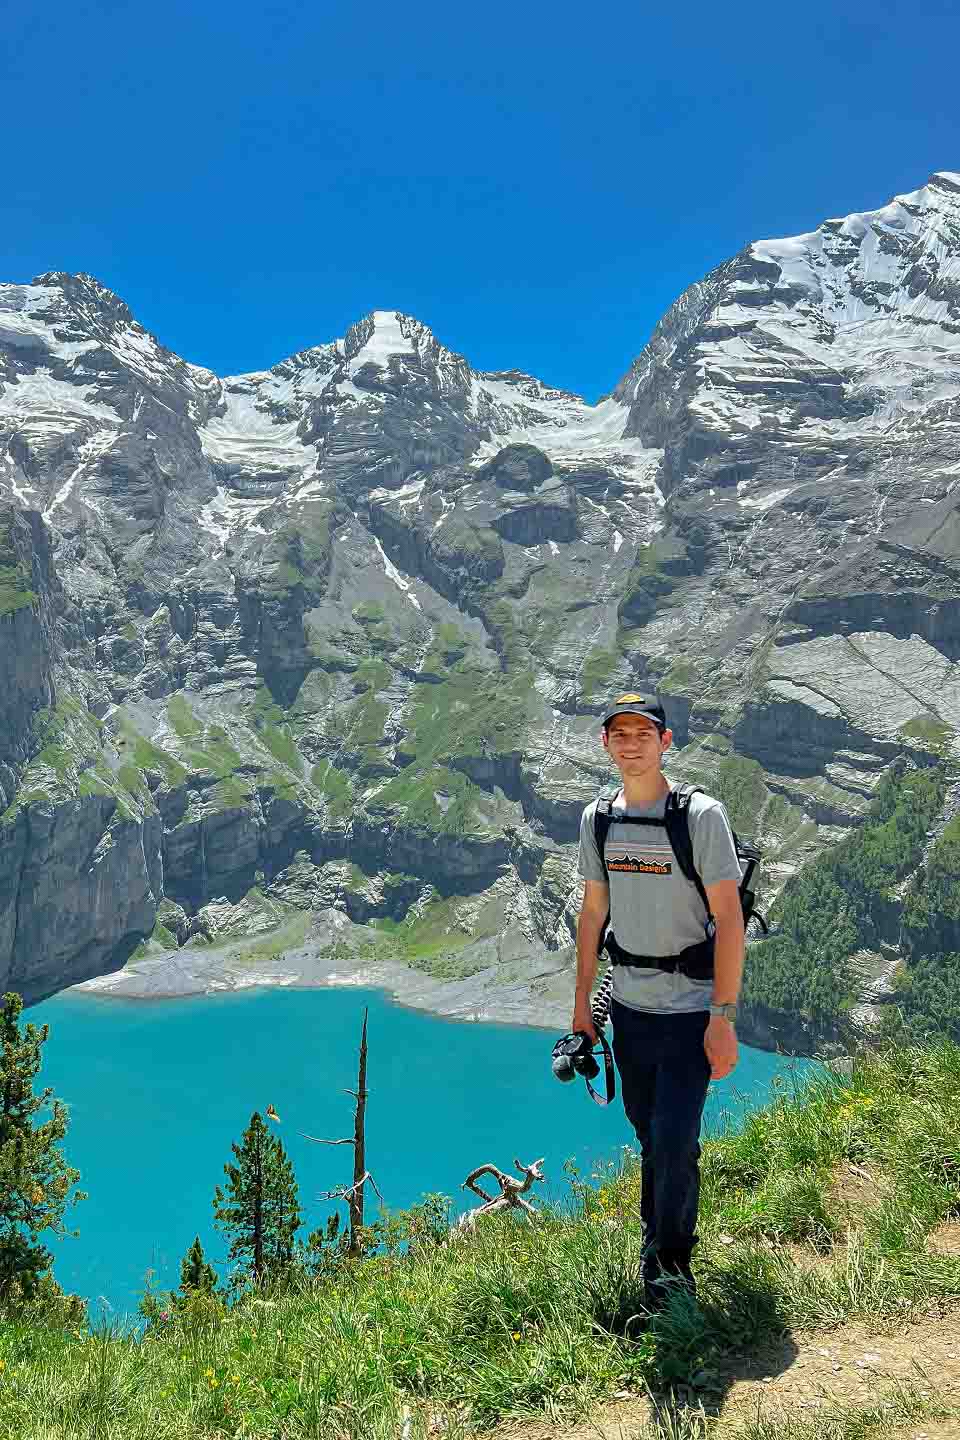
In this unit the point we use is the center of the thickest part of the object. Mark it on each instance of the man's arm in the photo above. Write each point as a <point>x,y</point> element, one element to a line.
<point>593,913</point>
<point>724,900</point>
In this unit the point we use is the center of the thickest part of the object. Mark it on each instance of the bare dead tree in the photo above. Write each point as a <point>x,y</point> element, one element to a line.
<point>510,1195</point>
<point>353,1194</point>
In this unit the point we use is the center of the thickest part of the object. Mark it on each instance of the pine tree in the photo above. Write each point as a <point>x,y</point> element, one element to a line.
<point>195,1273</point>
<point>34,1177</point>
<point>259,1207</point>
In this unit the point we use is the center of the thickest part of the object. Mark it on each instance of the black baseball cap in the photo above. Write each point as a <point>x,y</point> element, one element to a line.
<point>634,703</point>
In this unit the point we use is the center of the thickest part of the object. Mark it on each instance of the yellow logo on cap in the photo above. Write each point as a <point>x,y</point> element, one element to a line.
<point>637,699</point>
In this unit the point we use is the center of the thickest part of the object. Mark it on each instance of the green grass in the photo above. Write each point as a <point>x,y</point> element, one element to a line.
<point>335,786</point>
<point>233,792</point>
<point>181,717</point>
<point>739,784</point>
<point>597,669</point>
<point>206,747</point>
<point>415,792</point>
<point>432,941</point>
<point>15,580</point>
<point>646,585</point>
<point>360,725</point>
<point>471,712</point>
<point>545,1319</point>
<point>147,756</point>
<point>68,763</point>
<point>681,676</point>
<point>288,935</point>
<point>282,783</point>
<point>377,629</point>
<point>931,732</point>
<point>270,725</point>
<point>298,554</point>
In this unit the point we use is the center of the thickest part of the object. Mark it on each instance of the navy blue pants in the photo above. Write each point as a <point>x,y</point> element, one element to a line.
<point>664,1075</point>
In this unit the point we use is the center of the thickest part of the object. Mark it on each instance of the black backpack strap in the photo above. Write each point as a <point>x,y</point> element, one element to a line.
<point>602,820</point>
<point>676,818</point>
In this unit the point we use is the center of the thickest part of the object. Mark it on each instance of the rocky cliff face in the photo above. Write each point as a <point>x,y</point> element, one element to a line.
<point>340,631</point>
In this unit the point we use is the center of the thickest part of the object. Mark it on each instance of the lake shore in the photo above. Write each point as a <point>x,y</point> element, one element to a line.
<point>511,983</point>
<point>529,993</point>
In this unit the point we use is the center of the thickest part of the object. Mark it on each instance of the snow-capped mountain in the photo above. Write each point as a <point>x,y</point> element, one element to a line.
<point>346,624</point>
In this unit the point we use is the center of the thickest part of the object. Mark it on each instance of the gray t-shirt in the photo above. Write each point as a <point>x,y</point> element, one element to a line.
<point>654,908</point>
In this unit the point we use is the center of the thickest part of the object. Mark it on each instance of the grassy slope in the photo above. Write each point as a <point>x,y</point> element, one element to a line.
<point>526,1317</point>
<point>15,579</point>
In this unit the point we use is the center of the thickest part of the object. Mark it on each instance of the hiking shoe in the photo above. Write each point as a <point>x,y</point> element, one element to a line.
<point>656,1293</point>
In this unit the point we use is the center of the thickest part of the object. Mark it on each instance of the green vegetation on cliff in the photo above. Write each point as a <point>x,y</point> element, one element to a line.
<point>270,725</point>
<point>930,731</point>
<point>597,669</point>
<point>837,904</point>
<point>435,799</point>
<point>739,784</point>
<point>433,937</point>
<point>15,580</point>
<point>69,762</point>
<point>298,553</point>
<point>335,786</point>
<point>647,584</point>
<point>470,713</point>
<point>147,756</point>
<point>926,1000</point>
<point>935,898</point>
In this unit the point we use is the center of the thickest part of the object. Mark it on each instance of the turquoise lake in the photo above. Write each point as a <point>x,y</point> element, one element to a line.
<point>158,1090</point>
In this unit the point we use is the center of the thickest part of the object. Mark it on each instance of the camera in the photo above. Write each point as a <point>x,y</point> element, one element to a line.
<point>573,1055</point>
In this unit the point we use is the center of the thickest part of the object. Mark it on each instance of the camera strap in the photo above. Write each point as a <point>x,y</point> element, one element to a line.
<point>611,1075</point>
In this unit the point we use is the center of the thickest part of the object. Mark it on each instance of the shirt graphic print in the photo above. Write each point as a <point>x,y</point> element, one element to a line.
<point>627,857</point>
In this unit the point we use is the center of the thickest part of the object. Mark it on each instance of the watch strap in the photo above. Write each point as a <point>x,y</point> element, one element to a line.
<point>728,1011</point>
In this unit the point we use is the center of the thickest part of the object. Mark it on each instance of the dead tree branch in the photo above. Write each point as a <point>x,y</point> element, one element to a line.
<point>511,1191</point>
<point>353,1194</point>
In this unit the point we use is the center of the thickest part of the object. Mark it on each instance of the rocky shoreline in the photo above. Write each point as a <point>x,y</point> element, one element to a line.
<point>531,994</point>
<point>534,990</point>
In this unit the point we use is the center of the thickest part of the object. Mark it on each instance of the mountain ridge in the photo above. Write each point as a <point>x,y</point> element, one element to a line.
<point>342,628</point>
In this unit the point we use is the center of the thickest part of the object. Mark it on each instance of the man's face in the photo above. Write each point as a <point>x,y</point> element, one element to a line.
<point>635,744</point>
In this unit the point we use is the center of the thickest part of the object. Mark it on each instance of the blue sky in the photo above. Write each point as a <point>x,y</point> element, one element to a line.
<point>537,182</point>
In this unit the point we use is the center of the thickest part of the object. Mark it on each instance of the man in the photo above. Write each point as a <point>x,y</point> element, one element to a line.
<point>668,1042</point>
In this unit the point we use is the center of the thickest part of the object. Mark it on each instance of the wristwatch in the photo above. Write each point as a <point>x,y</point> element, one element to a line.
<point>729,1011</point>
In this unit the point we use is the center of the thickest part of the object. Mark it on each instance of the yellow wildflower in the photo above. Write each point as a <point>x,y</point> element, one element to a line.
<point>208,1373</point>
<point>516,1334</point>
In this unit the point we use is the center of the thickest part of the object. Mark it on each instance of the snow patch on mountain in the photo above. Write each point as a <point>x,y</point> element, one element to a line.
<point>386,339</point>
<point>393,574</point>
<point>227,513</point>
<point>577,433</point>
<point>249,436</point>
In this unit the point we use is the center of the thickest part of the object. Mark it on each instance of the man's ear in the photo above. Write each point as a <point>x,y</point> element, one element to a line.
<point>666,740</point>
<point>603,739</point>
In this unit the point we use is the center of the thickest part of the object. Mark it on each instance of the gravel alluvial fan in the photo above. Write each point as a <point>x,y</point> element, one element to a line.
<point>335,636</point>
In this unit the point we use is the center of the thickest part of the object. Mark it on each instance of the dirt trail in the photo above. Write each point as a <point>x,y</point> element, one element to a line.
<point>853,1365</point>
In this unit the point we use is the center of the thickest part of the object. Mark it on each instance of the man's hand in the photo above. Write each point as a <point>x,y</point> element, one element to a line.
<point>720,1044</point>
<point>583,1020</point>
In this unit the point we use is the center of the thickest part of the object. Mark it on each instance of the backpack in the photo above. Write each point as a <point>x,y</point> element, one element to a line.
<point>676,821</point>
